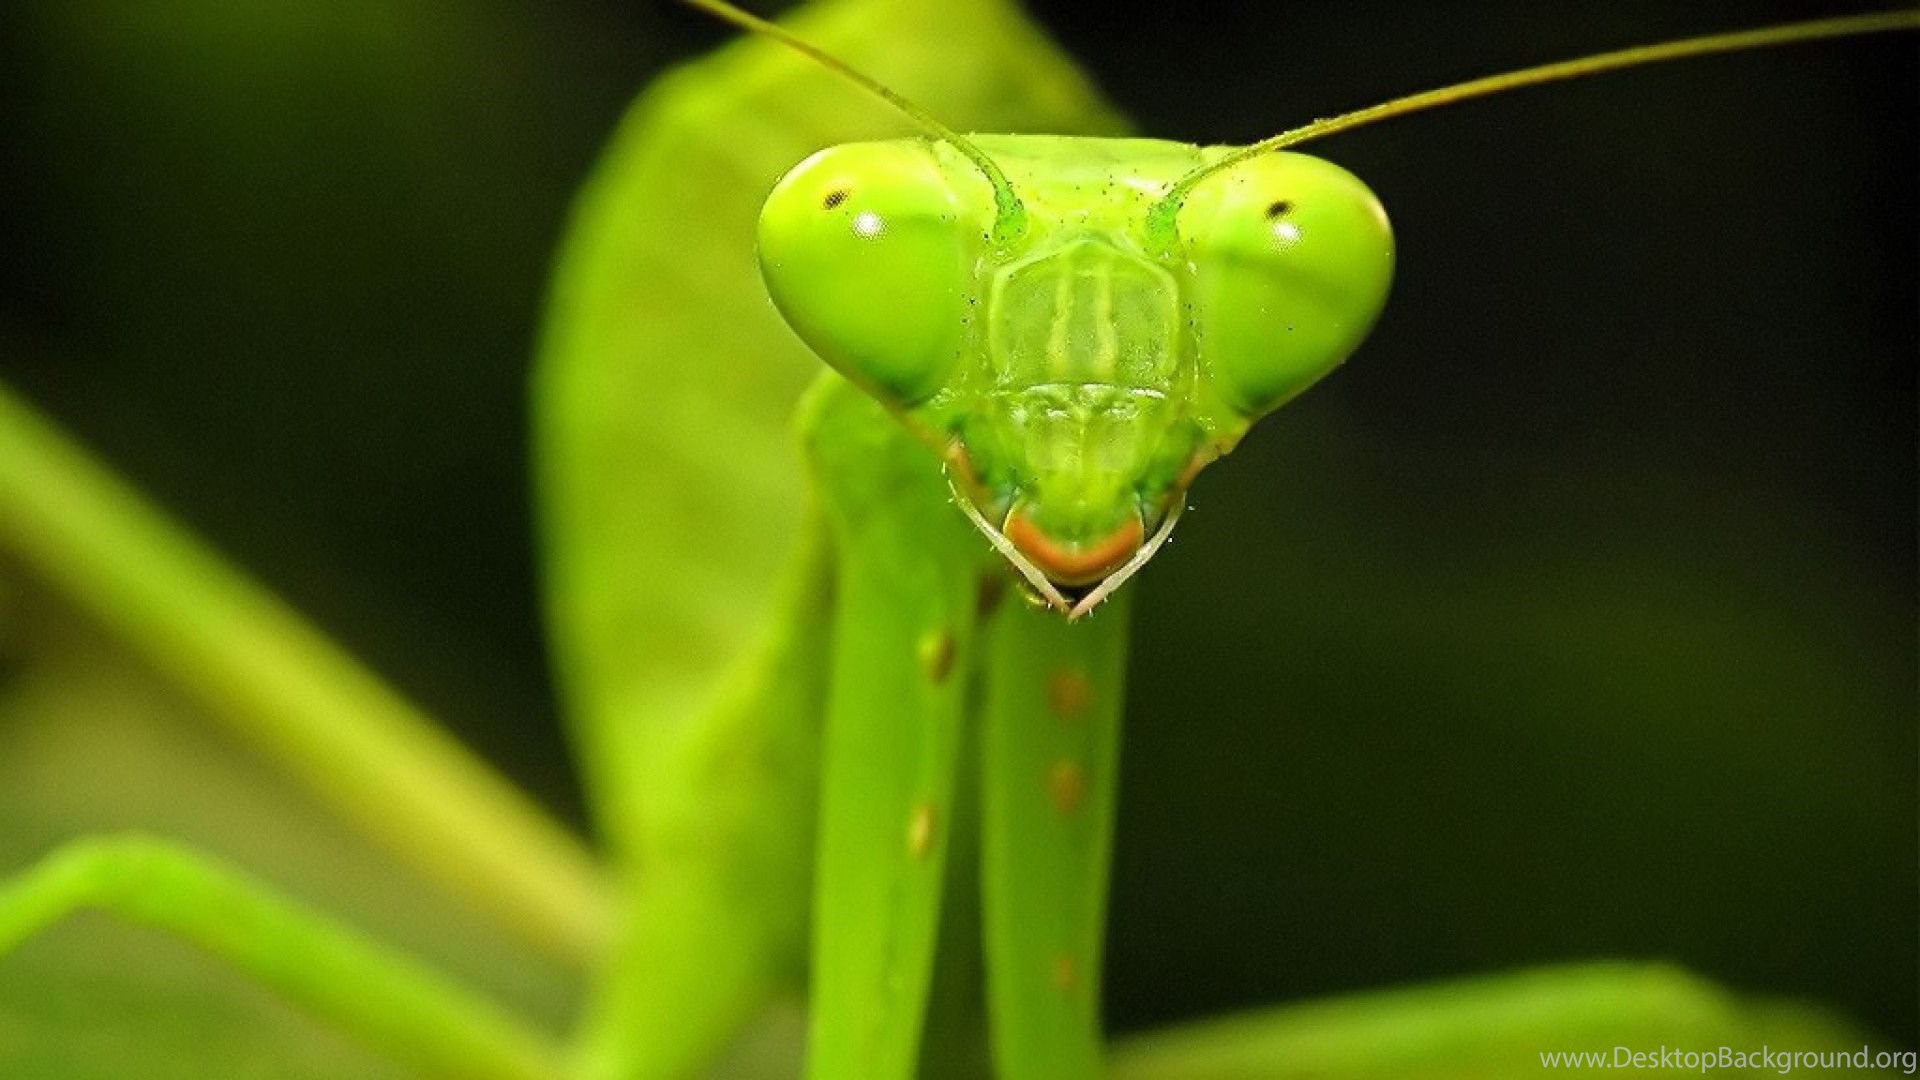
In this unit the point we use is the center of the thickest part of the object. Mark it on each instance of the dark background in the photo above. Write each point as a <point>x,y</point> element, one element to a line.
<point>1575,618</point>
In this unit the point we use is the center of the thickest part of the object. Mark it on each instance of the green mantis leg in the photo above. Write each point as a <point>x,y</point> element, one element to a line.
<point>387,1000</point>
<point>908,568</point>
<point>954,1044</point>
<point>1049,750</point>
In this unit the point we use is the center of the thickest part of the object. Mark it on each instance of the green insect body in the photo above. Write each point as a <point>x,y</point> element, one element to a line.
<point>1067,378</point>
<point>1068,370</point>
<point>1063,368</point>
<point>702,703</point>
<point>871,756</point>
<point>1054,335</point>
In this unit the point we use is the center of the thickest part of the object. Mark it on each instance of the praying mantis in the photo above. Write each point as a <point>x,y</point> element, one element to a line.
<point>730,794</point>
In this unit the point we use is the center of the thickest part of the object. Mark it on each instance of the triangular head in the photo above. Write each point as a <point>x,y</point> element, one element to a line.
<point>1077,363</point>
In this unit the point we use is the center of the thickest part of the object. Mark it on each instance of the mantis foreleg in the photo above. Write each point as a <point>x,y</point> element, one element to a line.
<point>1049,751</point>
<point>906,587</point>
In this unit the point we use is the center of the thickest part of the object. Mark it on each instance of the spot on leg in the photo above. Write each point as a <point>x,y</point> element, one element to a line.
<point>1069,693</point>
<point>937,651</point>
<point>993,589</point>
<point>1066,785</point>
<point>920,831</point>
<point>1066,974</point>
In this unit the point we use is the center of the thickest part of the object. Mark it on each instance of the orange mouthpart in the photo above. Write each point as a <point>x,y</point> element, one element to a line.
<point>1075,564</point>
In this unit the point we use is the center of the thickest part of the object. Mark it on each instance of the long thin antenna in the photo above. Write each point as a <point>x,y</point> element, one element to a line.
<point>1160,217</point>
<point>1009,214</point>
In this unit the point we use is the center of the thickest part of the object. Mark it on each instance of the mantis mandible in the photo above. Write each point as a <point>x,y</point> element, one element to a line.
<point>1057,403</point>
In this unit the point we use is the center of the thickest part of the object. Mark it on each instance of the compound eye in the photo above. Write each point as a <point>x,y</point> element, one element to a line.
<point>1290,258</point>
<point>870,255</point>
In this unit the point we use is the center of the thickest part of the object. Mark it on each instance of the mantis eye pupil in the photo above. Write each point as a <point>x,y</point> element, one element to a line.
<point>1279,208</point>
<point>834,198</point>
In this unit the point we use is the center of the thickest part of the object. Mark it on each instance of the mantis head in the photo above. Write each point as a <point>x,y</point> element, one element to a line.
<point>1080,331</point>
<point>1074,346</point>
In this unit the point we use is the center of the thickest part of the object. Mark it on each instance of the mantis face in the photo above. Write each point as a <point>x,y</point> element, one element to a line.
<point>1075,361</point>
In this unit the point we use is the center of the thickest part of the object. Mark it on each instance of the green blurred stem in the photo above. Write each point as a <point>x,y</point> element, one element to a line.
<point>282,686</point>
<point>380,997</point>
<point>1491,1027</point>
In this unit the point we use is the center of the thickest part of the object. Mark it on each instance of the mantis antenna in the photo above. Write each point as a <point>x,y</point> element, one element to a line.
<point>1009,214</point>
<point>1160,218</point>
